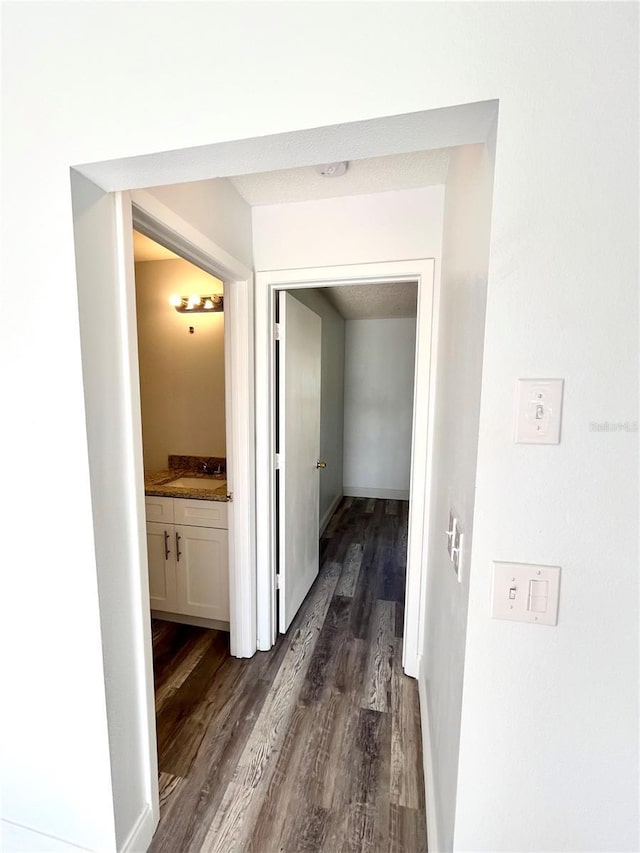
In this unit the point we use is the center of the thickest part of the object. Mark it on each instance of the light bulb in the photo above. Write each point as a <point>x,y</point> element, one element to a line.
<point>208,304</point>
<point>194,300</point>
<point>175,300</point>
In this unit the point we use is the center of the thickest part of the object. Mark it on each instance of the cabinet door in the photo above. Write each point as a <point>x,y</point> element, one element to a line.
<point>202,572</point>
<point>162,566</point>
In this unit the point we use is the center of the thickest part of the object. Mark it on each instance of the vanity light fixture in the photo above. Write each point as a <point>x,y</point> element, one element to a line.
<point>197,304</point>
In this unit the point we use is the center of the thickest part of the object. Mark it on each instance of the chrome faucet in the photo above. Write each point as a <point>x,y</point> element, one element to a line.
<point>207,467</point>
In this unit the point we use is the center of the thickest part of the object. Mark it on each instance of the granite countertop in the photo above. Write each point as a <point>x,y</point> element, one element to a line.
<point>214,486</point>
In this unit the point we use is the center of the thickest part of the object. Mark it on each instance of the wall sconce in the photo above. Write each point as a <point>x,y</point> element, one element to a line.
<point>197,304</point>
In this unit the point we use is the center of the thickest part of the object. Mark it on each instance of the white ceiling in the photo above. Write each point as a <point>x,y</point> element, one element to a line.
<point>374,301</point>
<point>374,175</point>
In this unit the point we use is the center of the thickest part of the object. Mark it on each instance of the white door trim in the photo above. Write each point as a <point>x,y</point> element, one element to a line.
<point>159,222</point>
<point>162,223</point>
<point>268,282</point>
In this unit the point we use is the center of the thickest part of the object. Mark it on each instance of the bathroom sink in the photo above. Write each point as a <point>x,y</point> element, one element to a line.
<point>194,483</point>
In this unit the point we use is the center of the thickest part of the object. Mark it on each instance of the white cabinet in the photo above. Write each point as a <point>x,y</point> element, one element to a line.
<point>188,562</point>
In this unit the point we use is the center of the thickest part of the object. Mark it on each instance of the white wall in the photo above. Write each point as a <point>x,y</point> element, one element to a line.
<point>331,397</point>
<point>355,229</point>
<point>465,258</point>
<point>181,374</point>
<point>562,301</point>
<point>378,407</point>
<point>215,208</point>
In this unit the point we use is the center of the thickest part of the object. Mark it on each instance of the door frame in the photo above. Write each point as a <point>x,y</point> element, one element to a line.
<point>268,282</point>
<point>148,215</point>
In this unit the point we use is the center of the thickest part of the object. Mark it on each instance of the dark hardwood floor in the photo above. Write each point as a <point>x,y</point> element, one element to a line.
<point>315,745</point>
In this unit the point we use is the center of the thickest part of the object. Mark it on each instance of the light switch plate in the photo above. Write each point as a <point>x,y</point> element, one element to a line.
<point>525,592</point>
<point>538,411</point>
<point>458,554</point>
<point>452,532</point>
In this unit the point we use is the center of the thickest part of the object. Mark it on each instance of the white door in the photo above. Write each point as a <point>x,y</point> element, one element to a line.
<point>299,449</point>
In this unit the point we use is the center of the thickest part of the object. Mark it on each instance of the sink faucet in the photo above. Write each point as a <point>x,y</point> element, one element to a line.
<point>207,467</point>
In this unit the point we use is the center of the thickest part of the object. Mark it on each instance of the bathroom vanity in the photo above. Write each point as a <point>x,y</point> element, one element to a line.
<point>187,547</point>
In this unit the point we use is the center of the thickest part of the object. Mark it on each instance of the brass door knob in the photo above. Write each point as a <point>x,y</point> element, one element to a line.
<point>321,464</point>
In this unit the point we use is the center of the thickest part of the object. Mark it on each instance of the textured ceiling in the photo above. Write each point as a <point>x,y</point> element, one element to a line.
<point>374,301</point>
<point>375,175</point>
<point>145,249</point>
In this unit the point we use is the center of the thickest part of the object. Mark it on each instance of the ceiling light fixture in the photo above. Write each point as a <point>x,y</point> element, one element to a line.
<point>197,304</point>
<point>332,170</point>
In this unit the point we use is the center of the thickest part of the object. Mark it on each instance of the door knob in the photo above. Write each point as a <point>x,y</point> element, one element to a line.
<point>321,464</point>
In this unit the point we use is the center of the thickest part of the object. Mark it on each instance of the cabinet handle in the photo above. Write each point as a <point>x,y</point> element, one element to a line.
<point>166,545</point>
<point>178,551</point>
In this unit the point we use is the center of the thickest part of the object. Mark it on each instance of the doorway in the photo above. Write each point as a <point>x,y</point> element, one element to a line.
<point>180,325</point>
<point>345,364</point>
<point>420,273</point>
<point>159,223</point>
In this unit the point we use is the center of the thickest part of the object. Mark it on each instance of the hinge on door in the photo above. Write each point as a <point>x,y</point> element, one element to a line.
<point>277,461</point>
<point>276,331</point>
<point>230,496</point>
<point>277,581</point>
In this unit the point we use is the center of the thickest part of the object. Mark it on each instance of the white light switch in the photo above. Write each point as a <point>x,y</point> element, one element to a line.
<point>457,553</point>
<point>524,592</point>
<point>452,533</point>
<point>455,540</point>
<point>538,411</point>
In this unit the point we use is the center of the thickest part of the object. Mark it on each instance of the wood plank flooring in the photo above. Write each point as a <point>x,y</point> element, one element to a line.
<point>315,745</point>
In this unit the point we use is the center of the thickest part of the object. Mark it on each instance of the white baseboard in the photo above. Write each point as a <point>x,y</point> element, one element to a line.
<point>411,665</point>
<point>326,518</point>
<point>433,837</point>
<point>139,839</point>
<point>374,492</point>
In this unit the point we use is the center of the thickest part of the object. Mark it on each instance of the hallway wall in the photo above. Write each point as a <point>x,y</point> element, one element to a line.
<point>216,209</point>
<point>465,258</point>
<point>378,407</point>
<point>358,229</point>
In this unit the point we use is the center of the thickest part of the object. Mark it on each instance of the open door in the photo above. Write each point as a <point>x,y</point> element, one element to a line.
<point>298,496</point>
